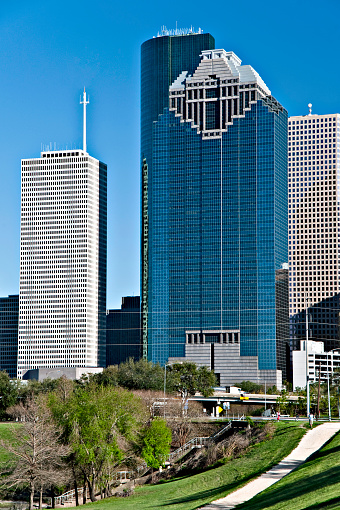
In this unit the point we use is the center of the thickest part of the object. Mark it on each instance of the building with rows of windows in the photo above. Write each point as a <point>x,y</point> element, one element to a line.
<point>314,219</point>
<point>123,332</point>
<point>9,318</point>
<point>62,304</point>
<point>214,210</point>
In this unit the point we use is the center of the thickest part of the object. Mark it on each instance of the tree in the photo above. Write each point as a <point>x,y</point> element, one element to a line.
<point>9,391</point>
<point>108,377</point>
<point>282,401</point>
<point>251,387</point>
<point>141,375</point>
<point>156,443</point>
<point>187,379</point>
<point>181,424</point>
<point>102,425</point>
<point>36,449</point>
<point>132,375</point>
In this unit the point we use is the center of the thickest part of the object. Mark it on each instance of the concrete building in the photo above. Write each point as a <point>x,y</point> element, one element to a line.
<point>314,217</point>
<point>319,362</point>
<point>9,320</point>
<point>62,306</point>
<point>214,195</point>
<point>123,338</point>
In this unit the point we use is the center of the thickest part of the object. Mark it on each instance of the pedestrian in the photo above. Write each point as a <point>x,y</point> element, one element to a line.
<point>278,416</point>
<point>311,418</point>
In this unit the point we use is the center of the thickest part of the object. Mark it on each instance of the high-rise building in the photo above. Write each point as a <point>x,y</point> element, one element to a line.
<point>123,339</point>
<point>62,309</point>
<point>314,218</point>
<point>214,208</point>
<point>162,60</point>
<point>9,318</point>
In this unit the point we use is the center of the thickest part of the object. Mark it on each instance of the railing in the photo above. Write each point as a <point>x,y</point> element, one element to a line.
<point>221,431</point>
<point>196,442</point>
<point>69,496</point>
<point>125,476</point>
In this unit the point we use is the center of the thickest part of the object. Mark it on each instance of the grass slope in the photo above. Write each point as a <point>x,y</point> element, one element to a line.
<point>6,435</point>
<point>314,485</point>
<point>191,492</point>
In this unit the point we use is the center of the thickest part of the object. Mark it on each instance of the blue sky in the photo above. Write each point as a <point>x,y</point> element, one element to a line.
<point>49,50</point>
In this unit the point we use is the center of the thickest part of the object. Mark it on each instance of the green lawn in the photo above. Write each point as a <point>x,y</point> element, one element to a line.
<point>191,492</point>
<point>6,435</point>
<point>314,485</point>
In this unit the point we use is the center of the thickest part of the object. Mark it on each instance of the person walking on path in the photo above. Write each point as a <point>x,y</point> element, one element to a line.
<point>311,418</point>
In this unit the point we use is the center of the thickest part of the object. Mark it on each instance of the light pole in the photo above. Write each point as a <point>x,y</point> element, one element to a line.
<point>164,389</point>
<point>307,376</point>
<point>168,365</point>
<point>328,390</point>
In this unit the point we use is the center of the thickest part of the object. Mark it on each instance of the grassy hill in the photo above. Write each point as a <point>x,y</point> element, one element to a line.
<point>314,485</point>
<point>6,435</point>
<point>191,492</point>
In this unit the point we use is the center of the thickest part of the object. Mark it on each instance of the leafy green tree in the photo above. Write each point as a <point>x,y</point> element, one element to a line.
<point>187,379</point>
<point>9,392</point>
<point>282,401</point>
<point>141,375</point>
<point>132,375</point>
<point>251,387</point>
<point>102,426</point>
<point>108,377</point>
<point>156,443</point>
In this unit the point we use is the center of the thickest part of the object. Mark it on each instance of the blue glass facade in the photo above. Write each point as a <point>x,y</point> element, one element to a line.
<point>162,60</point>
<point>217,229</point>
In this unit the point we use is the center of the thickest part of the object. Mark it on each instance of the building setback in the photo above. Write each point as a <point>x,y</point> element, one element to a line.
<point>62,308</point>
<point>214,213</point>
<point>314,218</point>
<point>9,318</point>
<point>123,339</point>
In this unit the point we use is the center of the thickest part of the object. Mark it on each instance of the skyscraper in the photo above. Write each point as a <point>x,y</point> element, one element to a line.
<point>123,332</point>
<point>214,207</point>
<point>62,308</point>
<point>9,318</point>
<point>314,216</point>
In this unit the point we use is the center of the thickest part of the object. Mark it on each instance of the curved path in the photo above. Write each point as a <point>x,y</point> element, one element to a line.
<point>311,442</point>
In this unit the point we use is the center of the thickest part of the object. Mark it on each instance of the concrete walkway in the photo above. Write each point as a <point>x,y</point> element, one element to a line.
<point>312,441</point>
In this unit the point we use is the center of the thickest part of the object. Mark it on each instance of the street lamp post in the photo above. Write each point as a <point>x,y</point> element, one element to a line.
<point>307,376</point>
<point>328,389</point>
<point>168,365</point>
<point>164,389</point>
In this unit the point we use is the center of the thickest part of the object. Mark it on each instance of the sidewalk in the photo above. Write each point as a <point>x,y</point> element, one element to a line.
<point>312,441</point>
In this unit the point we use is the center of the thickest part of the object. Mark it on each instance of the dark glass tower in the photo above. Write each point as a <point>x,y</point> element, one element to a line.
<point>123,332</point>
<point>214,218</point>
<point>9,321</point>
<point>162,60</point>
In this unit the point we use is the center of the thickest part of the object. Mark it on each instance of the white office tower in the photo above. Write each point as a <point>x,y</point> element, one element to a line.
<point>314,227</point>
<point>62,305</point>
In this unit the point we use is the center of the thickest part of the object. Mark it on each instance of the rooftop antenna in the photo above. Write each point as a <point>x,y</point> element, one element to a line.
<point>84,102</point>
<point>310,108</point>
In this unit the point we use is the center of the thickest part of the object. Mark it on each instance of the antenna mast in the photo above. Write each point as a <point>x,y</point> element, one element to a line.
<point>84,103</point>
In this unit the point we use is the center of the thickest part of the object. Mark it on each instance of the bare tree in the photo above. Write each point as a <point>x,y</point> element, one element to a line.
<point>181,424</point>
<point>36,451</point>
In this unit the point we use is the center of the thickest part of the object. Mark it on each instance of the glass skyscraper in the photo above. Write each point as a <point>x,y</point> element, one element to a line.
<point>214,204</point>
<point>9,319</point>
<point>123,332</point>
